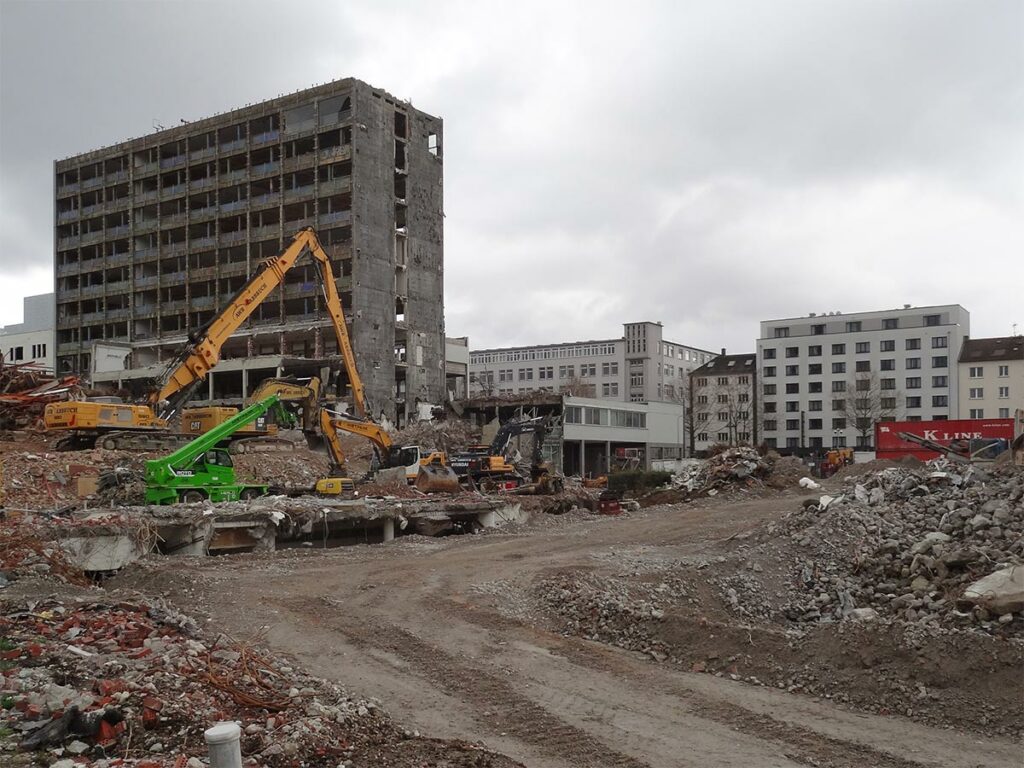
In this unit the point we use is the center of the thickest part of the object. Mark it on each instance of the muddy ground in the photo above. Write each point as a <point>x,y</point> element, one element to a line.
<point>526,640</point>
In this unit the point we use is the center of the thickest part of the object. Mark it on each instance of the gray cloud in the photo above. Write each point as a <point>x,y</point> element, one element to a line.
<point>707,165</point>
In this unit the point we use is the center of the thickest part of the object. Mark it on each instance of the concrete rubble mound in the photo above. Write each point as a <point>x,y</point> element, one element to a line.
<point>134,683</point>
<point>730,466</point>
<point>910,543</point>
<point>26,388</point>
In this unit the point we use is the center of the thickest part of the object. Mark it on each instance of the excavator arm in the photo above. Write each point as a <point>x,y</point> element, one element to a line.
<point>203,351</point>
<point>330,423</point>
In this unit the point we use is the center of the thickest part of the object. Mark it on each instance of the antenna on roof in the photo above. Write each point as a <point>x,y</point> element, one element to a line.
<point>157,125</point>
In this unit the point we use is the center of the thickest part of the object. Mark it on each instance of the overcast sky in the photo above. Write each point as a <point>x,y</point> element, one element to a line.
<point>705,164</point>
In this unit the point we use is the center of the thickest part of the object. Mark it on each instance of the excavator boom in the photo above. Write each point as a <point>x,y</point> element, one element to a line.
<point>203,352</point>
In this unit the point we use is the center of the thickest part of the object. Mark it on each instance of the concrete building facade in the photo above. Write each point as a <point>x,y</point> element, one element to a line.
<point>32,340</point>
<point>642,366</point>
<point>723,403</point>
<point>823,378</point>
<point>154,235</point>
<point>991,373</point>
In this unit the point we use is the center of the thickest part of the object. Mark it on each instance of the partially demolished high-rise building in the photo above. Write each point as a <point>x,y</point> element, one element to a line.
<point>155,235</point>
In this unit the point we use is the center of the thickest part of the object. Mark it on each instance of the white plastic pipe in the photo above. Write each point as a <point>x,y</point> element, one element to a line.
<point>224,743</point>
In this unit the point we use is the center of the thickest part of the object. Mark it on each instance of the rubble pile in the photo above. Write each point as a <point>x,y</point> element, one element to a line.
<point>730,467</point>
<point>438,435</point>
<point>45,480</point>
<point>135,684</point>
<point>293,469</point>
<point>909,543</point>
<point>26,388</point>
<point>29,549</point>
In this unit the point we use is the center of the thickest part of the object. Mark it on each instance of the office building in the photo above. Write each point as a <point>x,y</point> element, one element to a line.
<point>153,236</point>
<point>825,379</point>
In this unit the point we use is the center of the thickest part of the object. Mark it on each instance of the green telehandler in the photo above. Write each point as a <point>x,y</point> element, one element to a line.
<point>200,470</point>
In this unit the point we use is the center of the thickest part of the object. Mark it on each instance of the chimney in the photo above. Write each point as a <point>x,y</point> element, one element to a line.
<point>723,351</point>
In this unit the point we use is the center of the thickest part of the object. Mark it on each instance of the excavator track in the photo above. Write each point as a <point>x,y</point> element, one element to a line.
<point>262,445</point>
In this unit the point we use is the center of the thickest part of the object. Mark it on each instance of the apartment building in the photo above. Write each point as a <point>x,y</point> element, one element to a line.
<point>991,373</point>
<point>825,379</point>
<point>722,399</point>
<point>30,341</point>
<point>642,366</point>
<point>153,236</point>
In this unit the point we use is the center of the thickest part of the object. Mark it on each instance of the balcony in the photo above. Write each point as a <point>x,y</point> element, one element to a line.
<point>91,210</point>
<point>146,169</point>
<point>68,215</point>
<point>234,269</point>
<point>202,214</point>
<point>173,162</point>
<point>302,161</point>
<point>336,217</point>
<point>173,307</point>
<point>262,233</point>
<point>237,205</point>
<point>230,145</point>
<point>67,348</point>
<point>336,185</point>
<point>67,242</point>
<point>263,138</point>
<point>203,302</point>
<point>147,197</point>
<point>120,229</point>
<point>92,237</point>
<point>118,259</point>
<point>117,176</point>
<point>202,273</point>
<point>298,290</point>
<point>118,314</point>
<point>144,254</point>
<point>171,191</point>
<point>270,197</point>
<point>232,237</point>
<point>146,281</point>
<point>304,126</point>
<point>119,286</point>
<point>74,186</point>
<point>173,220</point>
<point>91,317</point>
<point>95,181</point>
<point>344,152</point>
<point>272,320</point>
<point>296,224</point>
<point>144,311</point>
<point>145,225</point>
<point>202,242</point>
<point>226,178</point>
<point>265,169</point>
<point>203,154</point>
<point>71,268</point>
<point>203,183</point>
<point>292,194</point>
<point>168,249</point>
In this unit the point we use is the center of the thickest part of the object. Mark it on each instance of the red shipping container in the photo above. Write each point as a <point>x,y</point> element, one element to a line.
<point>957,434</point>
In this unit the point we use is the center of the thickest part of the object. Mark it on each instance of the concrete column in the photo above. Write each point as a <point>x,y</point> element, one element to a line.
<point>608,456</point>
<point>245,384</point>
<point>583,458</point>
<point>209,380</point>
<point>389,529</point>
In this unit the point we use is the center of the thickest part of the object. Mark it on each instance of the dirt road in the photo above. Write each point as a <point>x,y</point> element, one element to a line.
<point>409,624</point>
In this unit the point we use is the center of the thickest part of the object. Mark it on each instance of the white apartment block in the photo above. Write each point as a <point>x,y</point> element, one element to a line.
<point>991,377</point>
<point>814,369</point>
<point>723,404</point>
<point>639,367</point>
<point>31,341</point>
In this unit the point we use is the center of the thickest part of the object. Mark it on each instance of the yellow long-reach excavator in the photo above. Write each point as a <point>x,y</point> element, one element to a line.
<point>145,426</point>
<point>427,471</point>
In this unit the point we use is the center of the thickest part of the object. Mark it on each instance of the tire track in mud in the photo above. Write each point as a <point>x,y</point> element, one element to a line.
<point>518,715</point>
<point>803,745</point>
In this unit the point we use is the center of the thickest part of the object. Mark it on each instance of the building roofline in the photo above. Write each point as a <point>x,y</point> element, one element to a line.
<point>216,119</point>
<point>1011,346</point>
<point>868,312</point>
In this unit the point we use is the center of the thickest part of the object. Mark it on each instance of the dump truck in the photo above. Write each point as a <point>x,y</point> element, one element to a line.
<point>200,470</point>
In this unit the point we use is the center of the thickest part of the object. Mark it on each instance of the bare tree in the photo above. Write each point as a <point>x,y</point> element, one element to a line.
<point>695,398</point>
<point>576,387</point>
<point>867,404</point>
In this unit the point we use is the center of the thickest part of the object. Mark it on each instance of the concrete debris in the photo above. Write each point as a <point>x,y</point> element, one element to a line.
<point>1001,593</point>
<point>911,544</point>
<point>26,388</point>
<point>152,682</point>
